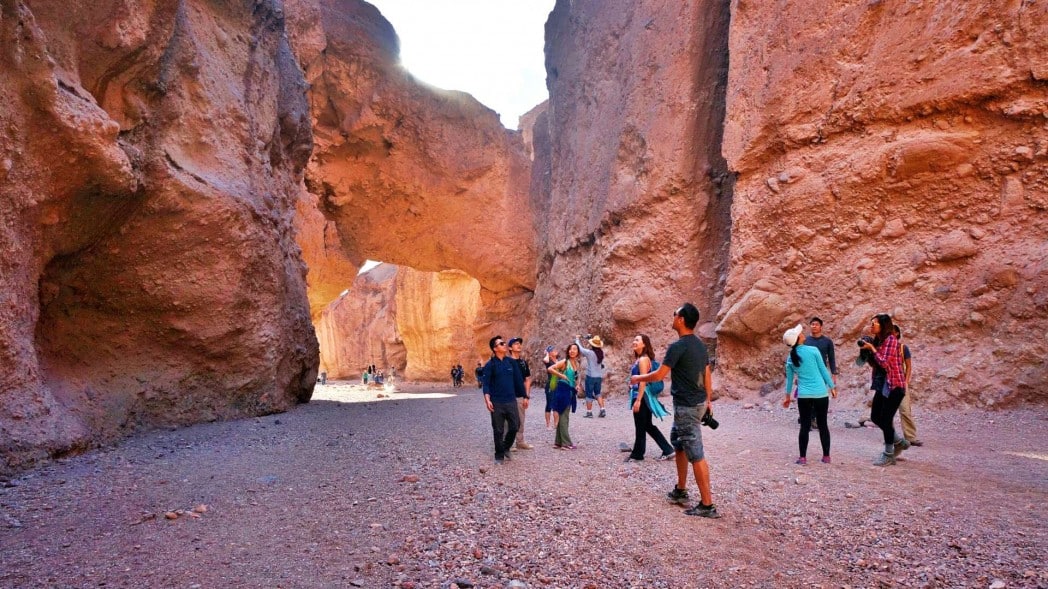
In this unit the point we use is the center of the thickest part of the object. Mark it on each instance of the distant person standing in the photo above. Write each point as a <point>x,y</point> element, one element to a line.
<point>594,373</point>
<point>691,384</point>
<point>522,403</point>
<point>909,426</point>
<point>479,373</point>
<point>503,385</point>
<point>813,381</point>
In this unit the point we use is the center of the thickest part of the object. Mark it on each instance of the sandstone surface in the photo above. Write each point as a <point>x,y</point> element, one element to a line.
<point>631,194</point>
<point>149,164</point>
<point>892,157</point>
<point>410,174</point>
<point>420,323</point>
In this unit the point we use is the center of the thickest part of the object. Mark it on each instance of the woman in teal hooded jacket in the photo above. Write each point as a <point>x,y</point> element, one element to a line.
<point>814,387</point>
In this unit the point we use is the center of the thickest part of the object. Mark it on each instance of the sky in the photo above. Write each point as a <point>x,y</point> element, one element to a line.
<point>491,49</point>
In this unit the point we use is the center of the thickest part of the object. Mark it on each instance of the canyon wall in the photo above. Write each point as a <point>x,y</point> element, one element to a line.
<point>359,327</point>
<point>409,174</point>
<point>892,157</point>
<point>419,323</point>
<point>631,192</point>
<point>149,159</point>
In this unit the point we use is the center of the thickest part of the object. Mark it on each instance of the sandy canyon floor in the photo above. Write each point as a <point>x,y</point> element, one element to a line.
<point>357,490</point>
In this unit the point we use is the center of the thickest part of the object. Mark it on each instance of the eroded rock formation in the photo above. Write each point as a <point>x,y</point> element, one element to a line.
<point>893,157</point>
<point>149,160</point>
<point>420,323</point>
<point>414,175</point>
<point>632,194</point>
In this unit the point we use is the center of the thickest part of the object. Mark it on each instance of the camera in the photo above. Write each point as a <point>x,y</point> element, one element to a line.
<point>709,421</point>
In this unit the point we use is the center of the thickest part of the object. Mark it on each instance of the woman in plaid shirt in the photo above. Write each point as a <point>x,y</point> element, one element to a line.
<point>887,353</point>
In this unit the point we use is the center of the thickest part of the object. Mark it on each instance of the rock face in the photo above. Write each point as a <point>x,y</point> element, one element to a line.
<point>149,161</point>
<point>409,174</point>
<point>632,193</point>
<point>892,157</point>
<point>360,327</point>
<point>420,323</point>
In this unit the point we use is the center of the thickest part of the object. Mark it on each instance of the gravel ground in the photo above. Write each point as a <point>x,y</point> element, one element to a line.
<point>357,490</point>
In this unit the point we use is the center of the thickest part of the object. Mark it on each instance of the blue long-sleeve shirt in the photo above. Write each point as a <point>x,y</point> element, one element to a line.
<point>503,380</point>
<point>813,379</point>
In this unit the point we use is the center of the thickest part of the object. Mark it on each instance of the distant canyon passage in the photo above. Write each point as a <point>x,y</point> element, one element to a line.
<point>189,188</point>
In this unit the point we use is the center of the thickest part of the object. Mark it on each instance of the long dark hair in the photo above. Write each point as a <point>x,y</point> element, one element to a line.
<point>648,350</point>
<point>794,356</point>
<point>887,328</point>
<point>567,354</point>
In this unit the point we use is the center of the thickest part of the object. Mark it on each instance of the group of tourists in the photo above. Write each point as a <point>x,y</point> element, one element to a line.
<point>372,375</point>
<point>458,375</point>
<point>506,382</point>
<point>810,368</point>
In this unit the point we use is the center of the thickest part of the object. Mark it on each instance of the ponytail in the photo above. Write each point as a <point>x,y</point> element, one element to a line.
<point>794,357</point>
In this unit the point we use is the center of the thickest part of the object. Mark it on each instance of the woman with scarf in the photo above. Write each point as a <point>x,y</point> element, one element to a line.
<point>645,405</point>
<point>564,394</point>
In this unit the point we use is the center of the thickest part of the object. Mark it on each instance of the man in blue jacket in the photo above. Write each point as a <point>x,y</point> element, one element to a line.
<point>503,384</point>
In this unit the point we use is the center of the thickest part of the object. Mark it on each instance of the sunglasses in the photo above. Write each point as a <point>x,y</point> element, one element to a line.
<point>497,344</point>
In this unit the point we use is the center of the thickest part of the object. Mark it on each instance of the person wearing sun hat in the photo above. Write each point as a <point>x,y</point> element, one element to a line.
<point>813,381</point>
<point>594,373</point>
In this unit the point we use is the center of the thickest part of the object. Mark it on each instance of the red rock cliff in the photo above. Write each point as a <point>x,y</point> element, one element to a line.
<point>149,158</point>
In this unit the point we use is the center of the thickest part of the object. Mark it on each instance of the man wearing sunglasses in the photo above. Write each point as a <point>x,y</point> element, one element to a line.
<point>503,383</point>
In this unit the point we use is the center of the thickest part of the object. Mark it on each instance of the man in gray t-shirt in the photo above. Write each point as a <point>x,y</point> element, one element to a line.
<point>686,362</point>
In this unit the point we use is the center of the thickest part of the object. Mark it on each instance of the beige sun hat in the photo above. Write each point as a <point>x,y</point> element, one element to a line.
<point>790,337</point>
<point>596,342</point>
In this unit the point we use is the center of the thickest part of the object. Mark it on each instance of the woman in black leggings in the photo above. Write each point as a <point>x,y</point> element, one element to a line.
<point>887,355</point>
<point>641,404</point>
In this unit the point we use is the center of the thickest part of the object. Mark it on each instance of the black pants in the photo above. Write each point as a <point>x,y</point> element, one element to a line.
<point>883,412</point>
<point>642,428</point>
<point>505,421</point>
<point>816,408</point>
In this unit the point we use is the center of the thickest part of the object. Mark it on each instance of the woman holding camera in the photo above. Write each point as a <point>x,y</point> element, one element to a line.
<point>887,355</point>
<point>642,402</point>
<point>813,381</point>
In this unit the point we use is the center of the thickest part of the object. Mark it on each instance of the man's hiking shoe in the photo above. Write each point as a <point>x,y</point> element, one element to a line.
<point>884,460</point>
<point>678,496</point>
<point>701,510</point>
<point>602,413</point>
<point>588,414</point>
<point>899,447</point>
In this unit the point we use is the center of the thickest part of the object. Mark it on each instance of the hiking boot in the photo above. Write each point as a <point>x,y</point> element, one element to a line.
<point>678,496</point>
<point>588,414</point>
<point>899,447</point>
<point>884,460</point>
<point>701,510</point>
<point>602,413</point>
<point>802,461</point>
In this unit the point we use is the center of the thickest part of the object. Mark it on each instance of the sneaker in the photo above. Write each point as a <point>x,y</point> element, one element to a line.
<point>917,443</point>
<point>884,460</point>
<point>678,496</point>
<point>588,414</point>
<point>899,447</point>
<point>825,459</point>
<point>701,510</point>
<point>665,457</point>
<point>802,461</point>
<point>602,413</point>
<point>632,459</point>
<point>498,461</point>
